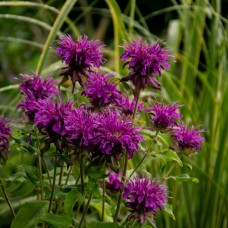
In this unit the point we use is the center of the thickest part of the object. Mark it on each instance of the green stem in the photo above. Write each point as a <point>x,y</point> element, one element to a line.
<point>7,198</point>
<point>136,105</point>
<point>81,174</point>
<point>60,183</point>
<point>68,175</point>
<point>53,188</point>
<point>39,164</point>
<point>103,202</point>
<point>121,192</point>
<point>46,168</point>
<point>85,211</point>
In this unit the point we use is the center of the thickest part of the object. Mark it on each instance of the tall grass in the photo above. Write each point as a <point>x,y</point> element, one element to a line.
<point>199,78</point>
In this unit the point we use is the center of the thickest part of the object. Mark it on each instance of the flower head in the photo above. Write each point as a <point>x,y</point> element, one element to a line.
<point>188,139</point>
<point>34,89</point>
<point>79,56</point>
<point>100,90</point>
<point>49,119</point>
<point>127,106</point>
<point>163,116</point>
<point>79,127</point>
<point>145,198</point>
<point>144,61</point>
<point>5,134</point>
<point>114,135</point>
<point>114,184</point>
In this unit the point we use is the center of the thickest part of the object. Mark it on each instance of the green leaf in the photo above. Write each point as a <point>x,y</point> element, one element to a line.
<point>71,198</point>
<point>33,175</point>
<point>169,210</point>
<point>168,155</point>
<point>184,177</point>
<point>57,221</point>
<point>28,215</point>
<point>103,225</point>
<point>95,173</point>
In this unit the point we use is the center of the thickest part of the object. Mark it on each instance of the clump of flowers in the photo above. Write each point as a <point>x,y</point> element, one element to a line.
<point>188,139</point>
<point>80,57</point>
<point>33,89</point>
<point>145,197</point>
<point>144,61</point>
<point>114,135</point>
<point>5,135</point>
<point>100,91</point>
<point>163,117</point>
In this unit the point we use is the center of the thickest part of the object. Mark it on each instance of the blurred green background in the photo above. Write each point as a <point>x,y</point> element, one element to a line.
<point>196,31</point>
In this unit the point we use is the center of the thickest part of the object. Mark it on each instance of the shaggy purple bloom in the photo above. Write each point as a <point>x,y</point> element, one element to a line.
<point>163,116</point>
<point>34,89</point>
<point>114,135</point>
<point>5,134</point>
<point>50,117</point>
<point>144,61</point>
<point>114,184</point>
<point>145,198</point>
<point>127,106</point>
<point>101,91</point>
<point>80,56</point>
<point>188,139</point>
<point>79,127</point>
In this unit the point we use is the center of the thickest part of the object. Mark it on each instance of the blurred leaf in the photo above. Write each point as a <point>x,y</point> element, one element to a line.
<point>56,221</point>
<point>95,173</point>
<point>103,225</point>
<point>33,175</point>
<point>184,177</point>
<point>28,215</point>
<point>71,198</point>
<point>167,155</point>
<point>169,210</point>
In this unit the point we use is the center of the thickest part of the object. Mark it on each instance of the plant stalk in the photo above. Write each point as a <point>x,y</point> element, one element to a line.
<point>85,211</point>
<point>103,202</point>
<point>7,198</point>
<point>53,189</point>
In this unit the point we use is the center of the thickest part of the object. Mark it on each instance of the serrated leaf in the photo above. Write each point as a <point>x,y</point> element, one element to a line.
<point>184,177</point>
<point>57,221</point>
<point>168,155</point>
<point>29,214</point>
<point>71,198</point>
<point>169,210</point>
<point>103,225</point>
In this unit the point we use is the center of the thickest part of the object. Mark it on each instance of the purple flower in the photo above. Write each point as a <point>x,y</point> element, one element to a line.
<point>5,134</point>
<point>100,90</point>
<point>79,127</point>
<point>114,184</point>
<point>145,198</point>
<point>80,56</point>
<point>50,116</point>
<point>144,61</point>
<point>163,116</point>
<point>33,89</point>
<point>127,106</point>
<point>188,139</point>
<point>114,135</point>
